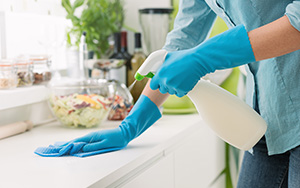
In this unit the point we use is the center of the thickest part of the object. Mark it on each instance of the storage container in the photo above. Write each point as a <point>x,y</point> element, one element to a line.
<point>41,69</point>
<point>8,77</point>
<point>24,72</point>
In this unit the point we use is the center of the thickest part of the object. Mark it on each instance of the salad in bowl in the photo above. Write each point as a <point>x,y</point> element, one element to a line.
<point>82,104</point>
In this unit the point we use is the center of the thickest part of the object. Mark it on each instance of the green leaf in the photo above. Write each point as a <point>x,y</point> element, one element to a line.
<point>227,166</point>
<point>77,4</point>
<point>217,178</point>
<point>130,28</point>
<point>74,19</point>
<point>69,38</point>
<point>67,5</point>
<point>236,156</point>
<point>99,18</point>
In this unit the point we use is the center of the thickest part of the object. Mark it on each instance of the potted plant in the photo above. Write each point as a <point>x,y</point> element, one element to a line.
<point>98,18</point>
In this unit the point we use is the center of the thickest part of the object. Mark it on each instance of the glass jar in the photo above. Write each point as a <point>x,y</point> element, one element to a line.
<point>24,72</point>
<point>8,77</point>
<point>41,69</point>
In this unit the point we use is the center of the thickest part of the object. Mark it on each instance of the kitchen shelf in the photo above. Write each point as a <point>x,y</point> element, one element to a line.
<point>22,96</point>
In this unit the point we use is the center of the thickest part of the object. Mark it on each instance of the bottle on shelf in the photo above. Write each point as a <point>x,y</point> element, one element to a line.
<point>83,56</point>
<point>118,73</point>
<point>125,53</point>
<point>124,47</point>
<point>123,99</point>
<point>136,61</point>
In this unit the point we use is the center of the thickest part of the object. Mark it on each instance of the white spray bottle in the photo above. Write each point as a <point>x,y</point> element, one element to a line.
<point>228,116</point>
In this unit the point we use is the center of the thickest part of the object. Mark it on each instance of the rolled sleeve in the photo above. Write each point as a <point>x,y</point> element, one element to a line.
<point>192,25</point>
<point>293,14</point>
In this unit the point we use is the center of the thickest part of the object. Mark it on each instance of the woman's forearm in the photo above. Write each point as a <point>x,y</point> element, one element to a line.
<point>274,39</point>
<point>154,95</point>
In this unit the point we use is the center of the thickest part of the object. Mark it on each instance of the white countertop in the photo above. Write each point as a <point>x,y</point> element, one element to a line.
<point>20,96</point>
<point>20,167</point>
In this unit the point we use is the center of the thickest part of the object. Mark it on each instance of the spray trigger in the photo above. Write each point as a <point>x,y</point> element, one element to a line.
<point>140,77</point>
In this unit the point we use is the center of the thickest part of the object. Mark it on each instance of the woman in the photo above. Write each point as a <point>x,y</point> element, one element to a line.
<point>265,35</point>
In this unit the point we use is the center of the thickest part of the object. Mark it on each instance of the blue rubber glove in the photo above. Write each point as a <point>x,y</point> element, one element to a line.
<point>144,114</point>
<point>183,69</point>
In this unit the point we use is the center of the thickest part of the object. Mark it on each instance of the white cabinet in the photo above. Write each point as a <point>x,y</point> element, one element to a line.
<point>161,174</point>
<point>192,163</point>
<point>198,161</point>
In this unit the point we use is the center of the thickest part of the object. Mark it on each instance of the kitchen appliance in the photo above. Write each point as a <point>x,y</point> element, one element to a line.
<point>155,23</point>
<point>228,116</point>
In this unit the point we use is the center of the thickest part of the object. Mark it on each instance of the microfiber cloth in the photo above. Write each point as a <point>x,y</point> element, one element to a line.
<point>71,149</point>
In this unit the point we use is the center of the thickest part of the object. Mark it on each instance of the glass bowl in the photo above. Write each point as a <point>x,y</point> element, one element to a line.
<point>81,103</point>
<point>123,102</point>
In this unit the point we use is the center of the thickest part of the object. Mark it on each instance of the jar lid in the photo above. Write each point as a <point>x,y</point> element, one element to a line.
<point>6,62</point>
<point>23,62</point>
<point>39,59</point>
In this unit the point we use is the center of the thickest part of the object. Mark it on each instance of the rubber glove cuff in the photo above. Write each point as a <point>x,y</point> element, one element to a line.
<point>229,49</point>
<point>143,114</point>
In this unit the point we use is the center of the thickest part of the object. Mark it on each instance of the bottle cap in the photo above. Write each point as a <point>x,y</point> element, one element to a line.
<point>138,42</point>
<point>117,41</point>
<point>156,10</point>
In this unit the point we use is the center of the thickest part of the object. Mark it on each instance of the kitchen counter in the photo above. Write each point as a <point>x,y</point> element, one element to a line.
<point>20,167</point>
<point>20,96</point>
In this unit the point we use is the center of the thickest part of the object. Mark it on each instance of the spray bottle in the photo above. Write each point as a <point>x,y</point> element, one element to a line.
<point>228,116</point>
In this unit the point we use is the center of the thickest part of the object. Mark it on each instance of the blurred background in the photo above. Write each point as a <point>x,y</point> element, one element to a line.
<point>76,33</point>
<point>22,31</point>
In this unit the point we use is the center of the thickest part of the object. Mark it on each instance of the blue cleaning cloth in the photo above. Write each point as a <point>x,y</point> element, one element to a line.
<point>71,149</point>
<point>144,114</point>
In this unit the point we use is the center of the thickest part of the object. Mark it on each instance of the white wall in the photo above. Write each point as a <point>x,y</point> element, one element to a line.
<point>53,7</point>
<point>131,10</point>
<point>45,7</point>
<point>44,10</point>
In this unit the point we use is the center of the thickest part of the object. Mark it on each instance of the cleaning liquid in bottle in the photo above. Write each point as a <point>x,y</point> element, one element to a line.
<point>228,116</point>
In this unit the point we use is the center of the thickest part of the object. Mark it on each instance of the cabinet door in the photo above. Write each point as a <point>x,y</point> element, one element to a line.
<point>199,160</point>
<point>159,175</point>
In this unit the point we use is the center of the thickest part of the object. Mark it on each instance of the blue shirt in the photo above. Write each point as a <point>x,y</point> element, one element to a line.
<point>273,85</point>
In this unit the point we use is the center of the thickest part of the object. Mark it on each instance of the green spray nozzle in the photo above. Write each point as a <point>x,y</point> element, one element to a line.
<point>151,65</point>
<point>140,77</point>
